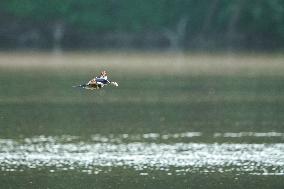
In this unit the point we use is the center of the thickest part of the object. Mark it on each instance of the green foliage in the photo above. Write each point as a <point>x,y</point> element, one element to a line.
<point>38,9</point>
<point>254,19</point>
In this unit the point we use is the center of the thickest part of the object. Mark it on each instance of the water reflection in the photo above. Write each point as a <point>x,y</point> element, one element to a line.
<point>142,153</point>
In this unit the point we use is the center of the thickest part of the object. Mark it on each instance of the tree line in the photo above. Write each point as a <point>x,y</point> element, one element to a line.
<point>142,24</point>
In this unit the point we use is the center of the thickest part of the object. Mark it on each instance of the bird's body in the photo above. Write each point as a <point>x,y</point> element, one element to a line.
<point>97,82</point>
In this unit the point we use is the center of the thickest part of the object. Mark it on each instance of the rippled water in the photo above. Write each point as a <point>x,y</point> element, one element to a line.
<point>144,152</point>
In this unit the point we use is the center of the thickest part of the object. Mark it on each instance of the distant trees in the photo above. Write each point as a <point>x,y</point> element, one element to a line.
<point>177,25</point>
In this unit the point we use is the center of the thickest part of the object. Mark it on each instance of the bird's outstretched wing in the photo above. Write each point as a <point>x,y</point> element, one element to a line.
<point>95,86</point>
<point>86,86</point>
<point>79,86</point>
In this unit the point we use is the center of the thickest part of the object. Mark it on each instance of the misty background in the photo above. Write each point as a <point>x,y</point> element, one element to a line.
<point>210,25</point>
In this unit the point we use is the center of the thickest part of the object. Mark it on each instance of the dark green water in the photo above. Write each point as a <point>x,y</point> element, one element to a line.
<point>163,131</point>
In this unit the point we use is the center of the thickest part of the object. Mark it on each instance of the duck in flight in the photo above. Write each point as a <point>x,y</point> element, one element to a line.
<point>98,82</point>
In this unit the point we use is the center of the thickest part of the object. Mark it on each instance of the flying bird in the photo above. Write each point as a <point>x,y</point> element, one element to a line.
<point>98,82</point>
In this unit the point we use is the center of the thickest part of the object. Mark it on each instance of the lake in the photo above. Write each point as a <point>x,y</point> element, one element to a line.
<point>175,121</point>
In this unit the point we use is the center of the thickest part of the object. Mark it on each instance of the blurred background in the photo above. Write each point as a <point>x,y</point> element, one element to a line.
<point>199,105</point>
<point>145,25</point>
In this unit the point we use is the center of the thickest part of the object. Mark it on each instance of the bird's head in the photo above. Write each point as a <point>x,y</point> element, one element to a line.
<point>103,73</point>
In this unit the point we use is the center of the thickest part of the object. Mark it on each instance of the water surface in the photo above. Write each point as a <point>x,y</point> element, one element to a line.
<point>152,151</point>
